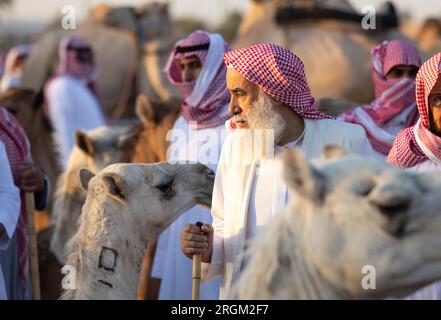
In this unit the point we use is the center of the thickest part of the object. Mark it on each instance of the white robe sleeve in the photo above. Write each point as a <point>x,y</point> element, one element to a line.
<point>61,103</point>
<point>215,267</point>
<point>9,199</point>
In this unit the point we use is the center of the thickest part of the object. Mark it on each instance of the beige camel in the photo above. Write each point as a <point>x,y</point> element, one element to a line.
<point>427,35</point>
<point>348,218</point>
<point>93,150</point>
<point>127,206</point>
<point>336,54</point>
<point>131,45</point>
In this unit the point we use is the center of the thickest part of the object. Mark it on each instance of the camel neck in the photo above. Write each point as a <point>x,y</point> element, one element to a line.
<point>108,266</point>
<point>286,272</point>
<point>308,279</point>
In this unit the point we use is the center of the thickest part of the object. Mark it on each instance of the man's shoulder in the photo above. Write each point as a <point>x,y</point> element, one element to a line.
<point>339,129</point>
<point>61,84</point>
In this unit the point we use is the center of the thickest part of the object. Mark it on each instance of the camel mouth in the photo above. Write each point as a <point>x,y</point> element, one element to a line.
<point>204,198</point>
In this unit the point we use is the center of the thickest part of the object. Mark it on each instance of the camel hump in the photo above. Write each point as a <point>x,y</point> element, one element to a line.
<point>289,11</point>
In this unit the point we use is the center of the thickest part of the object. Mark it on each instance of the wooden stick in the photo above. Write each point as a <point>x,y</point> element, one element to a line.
<point>196,276</point>
<point>33,251</point>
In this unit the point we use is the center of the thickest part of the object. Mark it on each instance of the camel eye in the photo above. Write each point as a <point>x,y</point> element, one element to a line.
<point>364,187</point>
<point>166,188</point>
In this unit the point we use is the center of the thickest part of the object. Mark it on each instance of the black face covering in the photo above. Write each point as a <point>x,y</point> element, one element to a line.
<point>84,54</point>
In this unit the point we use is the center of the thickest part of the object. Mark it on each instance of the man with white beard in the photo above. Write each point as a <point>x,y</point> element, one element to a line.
<point>268,91</point>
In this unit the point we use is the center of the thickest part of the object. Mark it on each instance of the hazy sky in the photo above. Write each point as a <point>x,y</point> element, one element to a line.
<point>211,11</point>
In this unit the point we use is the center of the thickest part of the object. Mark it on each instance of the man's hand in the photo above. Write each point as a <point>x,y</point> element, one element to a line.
<point>32,178</point>
<point>195,240</point>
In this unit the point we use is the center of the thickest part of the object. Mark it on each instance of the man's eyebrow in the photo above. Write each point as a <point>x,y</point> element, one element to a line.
<point>237,90</point>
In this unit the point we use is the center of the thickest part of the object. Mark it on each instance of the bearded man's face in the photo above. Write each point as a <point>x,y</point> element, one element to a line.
<point>251,107</point>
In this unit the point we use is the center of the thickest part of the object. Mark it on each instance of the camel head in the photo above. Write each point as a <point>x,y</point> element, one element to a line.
<point>157,118</point>
<point>148,197</point>
<point>148,21</point>
<point>429,36</point>
<point>128,206</point>
<point>355,213</point>
<point>100,147</point>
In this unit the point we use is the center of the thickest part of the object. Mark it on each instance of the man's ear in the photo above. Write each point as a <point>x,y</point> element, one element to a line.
<point>116,185</point>
<point>83,142</point>
<point>301,177</point>
<point>145,110</point>
<point>85,176</point>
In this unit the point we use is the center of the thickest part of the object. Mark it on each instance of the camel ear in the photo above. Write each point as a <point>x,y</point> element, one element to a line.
<point>334,152</point>
<point>116,185</point>
<point>85,176</point>
<point>301,177</point>
<point>84,142</point>
<point>145,110</point>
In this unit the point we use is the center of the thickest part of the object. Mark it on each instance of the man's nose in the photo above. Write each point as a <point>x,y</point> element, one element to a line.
<point>187,75</point>
<point>233,108</point>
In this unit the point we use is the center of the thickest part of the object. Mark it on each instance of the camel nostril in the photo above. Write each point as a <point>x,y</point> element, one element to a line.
<point>210,174</point>
<point>393,208</point>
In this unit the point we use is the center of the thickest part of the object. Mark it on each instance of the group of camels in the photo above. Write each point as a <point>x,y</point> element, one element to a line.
<point>132,45</point>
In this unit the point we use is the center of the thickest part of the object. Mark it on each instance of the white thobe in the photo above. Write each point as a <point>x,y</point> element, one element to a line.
<point>170,264</point>
<point>72,106</point>
<point>248,194</point>
<point>9,208</point>
<point>433,291</point>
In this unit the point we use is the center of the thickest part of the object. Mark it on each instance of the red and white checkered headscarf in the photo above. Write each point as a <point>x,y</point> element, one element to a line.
<point>418,143</point>
<point>206,99</point>
<point>394,98</point>
<point>17,148</point>
<point>280,73</point>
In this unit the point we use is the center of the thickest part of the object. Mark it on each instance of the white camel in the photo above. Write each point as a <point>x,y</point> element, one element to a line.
<point>127,206</point>
<point>348,218</point>
<point>93,150</point>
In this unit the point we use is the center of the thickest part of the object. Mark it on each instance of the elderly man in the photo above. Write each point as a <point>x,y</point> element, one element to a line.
<point>268,91</point>
<point>71,100</point>
<point>418,148</point>
<point>197,70</point>
<point>9,210</point>
<point>394,67</point>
